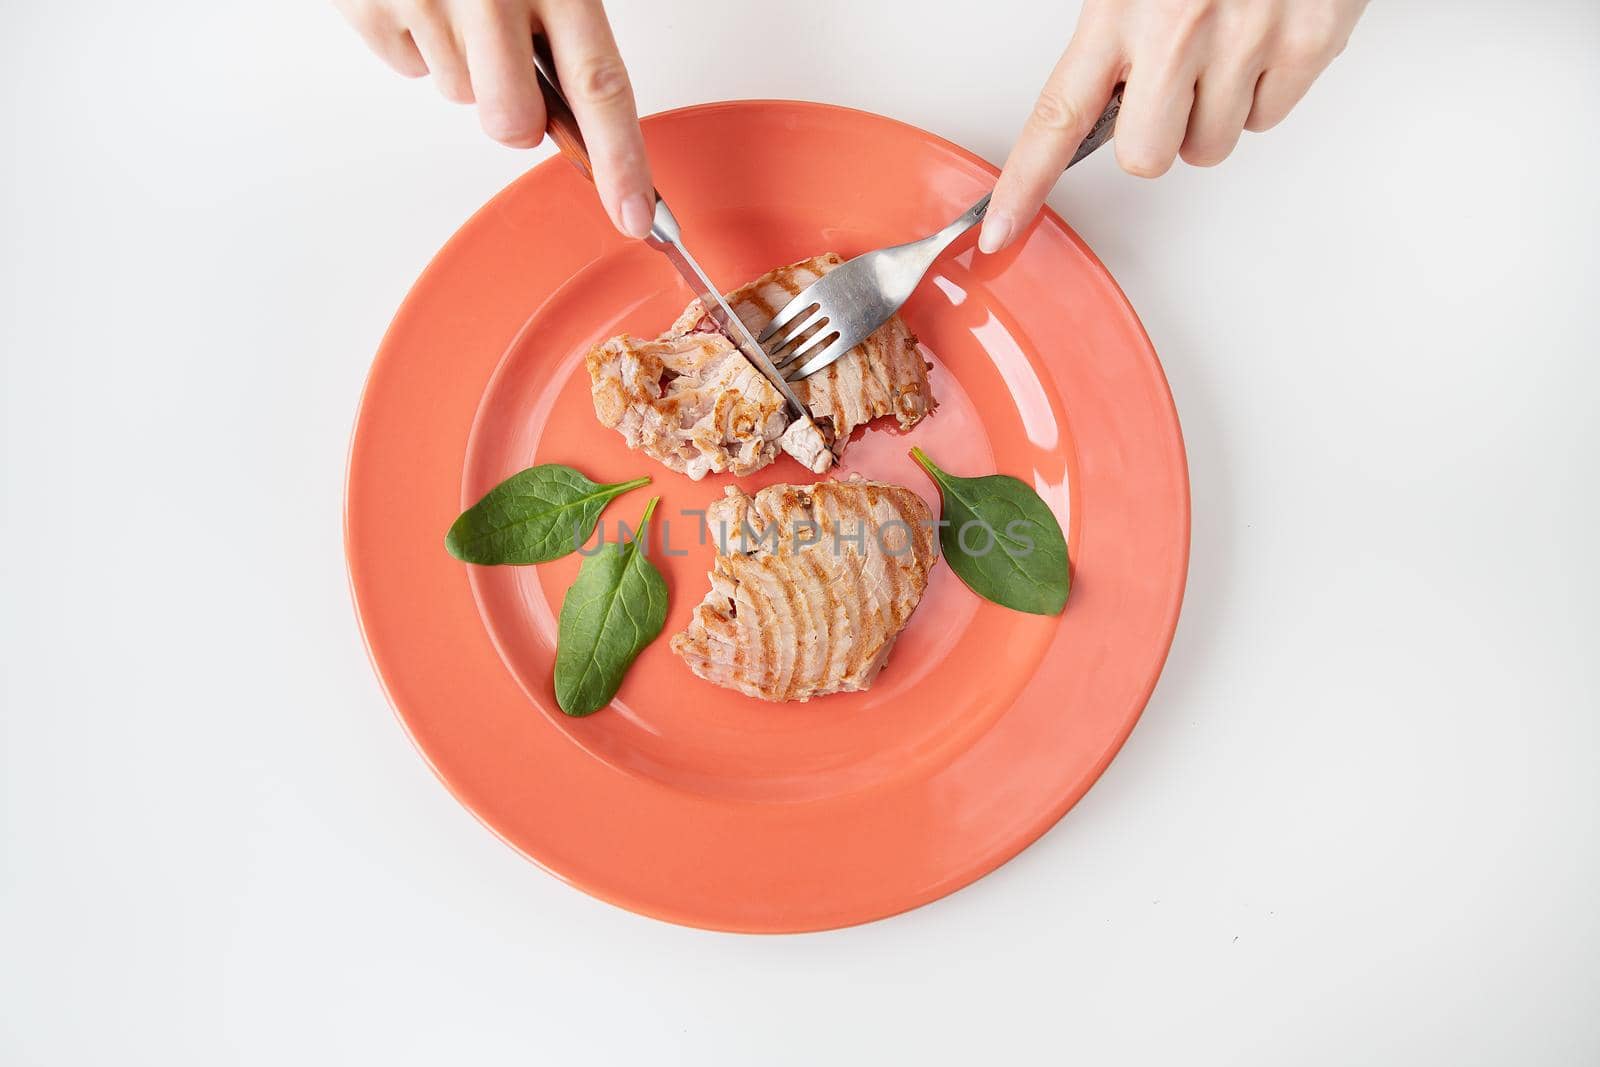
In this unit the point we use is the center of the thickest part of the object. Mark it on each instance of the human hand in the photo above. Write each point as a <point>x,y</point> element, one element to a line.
<point>1198,72</point>
<point>482,51</point>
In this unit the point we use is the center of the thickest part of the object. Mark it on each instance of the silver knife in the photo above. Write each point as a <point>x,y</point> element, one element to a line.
<point>666,236</point>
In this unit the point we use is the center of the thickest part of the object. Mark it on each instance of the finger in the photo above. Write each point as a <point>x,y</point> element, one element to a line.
<point>1066,110</point>
<point>387,38</point>
<point>1154,118</point>
<point>1223,98</point>
<point>499,47</point>
<point>402,54</point>
<point>1278,91</point>
<point>442,53</point>
<point>597,86</point>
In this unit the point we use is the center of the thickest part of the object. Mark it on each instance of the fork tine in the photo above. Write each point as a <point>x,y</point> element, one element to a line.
<point>802,302</point>
<point>810,348</point>
<point>821,361</point>
<point>787,337</point>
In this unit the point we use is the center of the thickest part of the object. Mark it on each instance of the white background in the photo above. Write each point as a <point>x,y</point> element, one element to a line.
<point>1357,824</point>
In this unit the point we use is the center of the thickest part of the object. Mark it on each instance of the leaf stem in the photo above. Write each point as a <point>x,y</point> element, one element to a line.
<point>930,466</point>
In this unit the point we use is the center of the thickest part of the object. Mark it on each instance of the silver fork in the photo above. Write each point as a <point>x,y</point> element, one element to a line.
<point>837,311</point>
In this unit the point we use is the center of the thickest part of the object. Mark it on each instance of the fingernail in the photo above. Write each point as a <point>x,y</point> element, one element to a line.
<point>995,233</point>
<point>636,216</point>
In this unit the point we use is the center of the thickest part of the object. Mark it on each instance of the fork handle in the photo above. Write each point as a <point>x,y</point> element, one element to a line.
<point>1103,128</point>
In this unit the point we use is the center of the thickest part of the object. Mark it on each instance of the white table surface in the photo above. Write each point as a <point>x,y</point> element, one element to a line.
<point>1359,822</point>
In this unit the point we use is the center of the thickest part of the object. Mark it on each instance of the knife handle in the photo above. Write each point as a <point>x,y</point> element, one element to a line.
<point>562,125</point>
<point>560,122</point>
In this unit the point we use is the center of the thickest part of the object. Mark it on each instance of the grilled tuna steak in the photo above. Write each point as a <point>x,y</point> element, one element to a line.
<point>810,588</point>
<point>690,399</point>
<point>883,375</point>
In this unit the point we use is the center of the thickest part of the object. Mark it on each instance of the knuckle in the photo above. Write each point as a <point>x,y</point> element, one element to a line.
<point>604,80</point>
<point>1188,19</point>
<point>1055,112</point>
<point>1301,53</point>
<point>1311,42</point>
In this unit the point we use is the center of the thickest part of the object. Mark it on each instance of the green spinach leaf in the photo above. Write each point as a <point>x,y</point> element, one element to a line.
<point>617,605</point>
<point>1002,540</point>
<point>534,516</point>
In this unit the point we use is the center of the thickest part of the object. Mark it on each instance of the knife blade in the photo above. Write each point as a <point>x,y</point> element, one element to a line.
<point>666,236</point>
